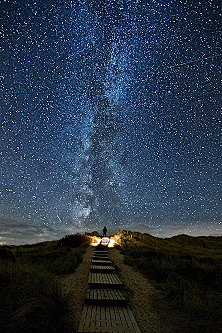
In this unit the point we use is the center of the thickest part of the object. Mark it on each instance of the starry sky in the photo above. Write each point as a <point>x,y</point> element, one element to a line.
<point>110,115</point>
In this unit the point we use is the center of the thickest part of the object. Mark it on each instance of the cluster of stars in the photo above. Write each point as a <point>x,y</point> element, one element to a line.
<point>110,114</point>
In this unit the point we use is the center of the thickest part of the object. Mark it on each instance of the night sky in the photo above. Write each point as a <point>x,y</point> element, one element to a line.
<point>110,115</point>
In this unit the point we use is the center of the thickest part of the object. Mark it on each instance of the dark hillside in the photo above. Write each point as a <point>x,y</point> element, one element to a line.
<point>32,299</point>
<point>188,271</point>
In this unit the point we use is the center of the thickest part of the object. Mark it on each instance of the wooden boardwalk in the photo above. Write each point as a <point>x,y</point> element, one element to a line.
<point>102,269</point>
<point>110,319</point>
<point>104,280</point>
<point>101,262</point>
<point>104,296</point>
<point>106,308</point>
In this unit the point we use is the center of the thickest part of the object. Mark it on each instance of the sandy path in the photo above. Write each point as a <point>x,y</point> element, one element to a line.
<point>141,294</point>
<point>77,284</point>
<point>139,291</point>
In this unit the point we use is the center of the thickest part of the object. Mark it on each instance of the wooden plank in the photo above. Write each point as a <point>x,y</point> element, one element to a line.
<point>98,319</point>
<point>102,311</point>
<point>101,251</point>
<point>101,257</point>
<point>112,314</point>
<point>83,319</point>
<point>97,268</point>
<point>109,323</point>
<point>104,280</point>
<point>105,296</point>
<point>117,316</point>
<point>132,320</point>
<point>108,319</point>
<point>94,310</point>
<point>102,262</point>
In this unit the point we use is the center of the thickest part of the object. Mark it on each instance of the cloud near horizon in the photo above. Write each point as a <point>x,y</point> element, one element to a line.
<point>19,232</point>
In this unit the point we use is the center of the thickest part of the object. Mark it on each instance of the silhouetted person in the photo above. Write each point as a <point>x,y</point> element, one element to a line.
<point>104,232</point>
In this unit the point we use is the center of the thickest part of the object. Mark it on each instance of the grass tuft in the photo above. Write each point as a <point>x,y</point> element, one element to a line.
<point>32,299</point>
<point>34,302</point>
<point>187,270</point>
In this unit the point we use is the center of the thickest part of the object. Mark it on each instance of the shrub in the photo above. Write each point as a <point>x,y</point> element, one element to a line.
<point>66,264</point>
<point>188,271</point>
<point>31,297</point>
<point>72,240</point>
<point>7,255</point>
<point>33,302</point>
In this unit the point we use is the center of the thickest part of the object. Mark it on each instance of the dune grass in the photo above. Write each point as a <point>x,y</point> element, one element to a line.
<point>32,298</point>
<point>32,301</point>
<point>187,270</point>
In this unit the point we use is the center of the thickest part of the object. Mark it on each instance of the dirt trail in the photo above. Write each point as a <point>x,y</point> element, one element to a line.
<point>77,283</point>
<point>142,295</point>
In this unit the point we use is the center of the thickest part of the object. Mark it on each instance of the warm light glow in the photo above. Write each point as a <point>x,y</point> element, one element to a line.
<point>94,240</point>
<point>115,240</point>
<point>112,243</point>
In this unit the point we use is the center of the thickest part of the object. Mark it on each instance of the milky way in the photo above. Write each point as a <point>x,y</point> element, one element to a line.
<point>110,115</point>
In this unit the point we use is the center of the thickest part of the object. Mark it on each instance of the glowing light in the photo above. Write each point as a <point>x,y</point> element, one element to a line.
<point>112,243</point>
<point>94,241</point>
<point>105,241</point>
<point>115,240</point>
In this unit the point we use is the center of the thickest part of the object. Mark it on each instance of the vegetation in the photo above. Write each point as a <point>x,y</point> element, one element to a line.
<point>188,271</point>
<point>32,299</point>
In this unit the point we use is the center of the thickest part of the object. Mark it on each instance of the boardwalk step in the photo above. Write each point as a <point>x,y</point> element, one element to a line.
<point>100,254</point>
<point>104,280</point>
<point>105,296</point>
<point>97,268</point>
<point>112,319</point>
<point>100,258</point>
<point>102,262</point>
<point>100,250</point>
<point>105,308</point>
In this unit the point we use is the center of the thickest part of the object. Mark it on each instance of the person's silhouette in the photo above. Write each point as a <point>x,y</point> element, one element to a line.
<point>104,232</point>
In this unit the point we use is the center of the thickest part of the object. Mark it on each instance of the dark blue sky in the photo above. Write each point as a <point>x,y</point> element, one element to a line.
<point>110,115</point>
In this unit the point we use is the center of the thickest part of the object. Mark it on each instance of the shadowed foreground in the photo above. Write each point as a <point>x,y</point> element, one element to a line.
<point>187,273</point>
<point>173,285</point>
